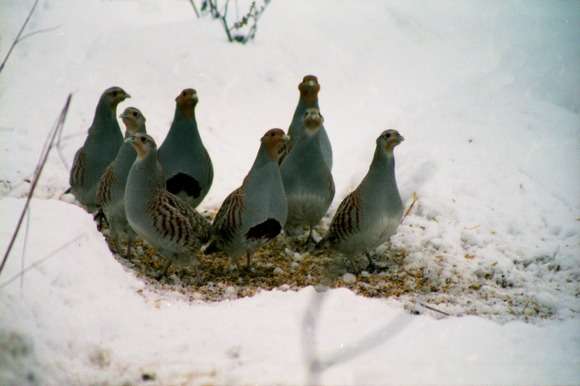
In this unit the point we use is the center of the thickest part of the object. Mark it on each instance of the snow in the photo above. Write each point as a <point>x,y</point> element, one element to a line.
<point>487,96</point>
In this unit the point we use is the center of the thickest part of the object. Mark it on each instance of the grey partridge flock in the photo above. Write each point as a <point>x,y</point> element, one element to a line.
<point>152,193</point>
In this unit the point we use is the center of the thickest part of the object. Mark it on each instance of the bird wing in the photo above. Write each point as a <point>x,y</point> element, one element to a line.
<point>177,221</point>
<point>346,220</point>
<point>229,216</point>
<point>104,186</point>
<point>77,173</point>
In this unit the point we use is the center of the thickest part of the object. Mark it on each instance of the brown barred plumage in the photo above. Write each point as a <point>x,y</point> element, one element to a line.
<point>104,187</point>
<point>177,221</point>
<point>229,215</point>
<point>346,220</point>
<point>77,175</point>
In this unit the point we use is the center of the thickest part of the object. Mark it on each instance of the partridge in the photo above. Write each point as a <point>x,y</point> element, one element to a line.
<point>184,158</point>
<point>256,212</point>
<point>165,221</point>
<point>100,148</point>
<point>307,178</point>
<point>370,215</point>
<point>309,88</point>
<point>111,188</point>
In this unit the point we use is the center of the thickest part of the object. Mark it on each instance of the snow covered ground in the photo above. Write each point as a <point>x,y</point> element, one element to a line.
<point>487,96</point>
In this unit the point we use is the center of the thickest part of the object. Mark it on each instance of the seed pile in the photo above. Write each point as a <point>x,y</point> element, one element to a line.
<point>288,265</point>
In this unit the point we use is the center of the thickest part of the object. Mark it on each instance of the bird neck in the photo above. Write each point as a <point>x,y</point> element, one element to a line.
<point>303,104</point>
<point>309,144</point>
<point>125,158</point>
<point>147,174</point>
<point>135,130</point>
<point>105,119</point>
<point>264,158</point>
<point>184,125</point>
<point>381,175</point>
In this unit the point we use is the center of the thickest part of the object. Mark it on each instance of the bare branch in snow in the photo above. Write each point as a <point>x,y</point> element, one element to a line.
<point>40,31</point>
<point>243,29</point>
<point>316,365</point>
<point>42,260</point>
<point>194,8</point>
<point>37,172</point>
<point>18,38</point>
<point>25,244</point>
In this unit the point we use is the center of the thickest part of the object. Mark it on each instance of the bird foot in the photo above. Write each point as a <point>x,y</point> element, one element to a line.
<point>375,266</point>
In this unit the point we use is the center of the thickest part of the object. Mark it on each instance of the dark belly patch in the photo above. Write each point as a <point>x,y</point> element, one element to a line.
<point>184,183</point>
<point>266,230</point>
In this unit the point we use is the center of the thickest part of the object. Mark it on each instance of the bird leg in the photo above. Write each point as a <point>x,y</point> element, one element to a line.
<point>128,255</point>
<point>165,270</point>
<point>310,239</point>
<point>100,218</point>
<point>248,260</point>
<point>371,267</point>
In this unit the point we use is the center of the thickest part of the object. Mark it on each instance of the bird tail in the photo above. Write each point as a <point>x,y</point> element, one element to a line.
<point>211,248</point>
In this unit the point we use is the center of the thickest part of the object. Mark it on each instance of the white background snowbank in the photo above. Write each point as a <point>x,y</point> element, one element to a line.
<point>486,94</point>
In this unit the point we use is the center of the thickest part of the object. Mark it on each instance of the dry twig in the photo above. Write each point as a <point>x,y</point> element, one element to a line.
<point>38,171</point>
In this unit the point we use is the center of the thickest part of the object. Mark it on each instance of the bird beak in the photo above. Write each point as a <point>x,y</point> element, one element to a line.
<point>130,139</point>
<point>401,138</point>
<point>286,138</point>
<point>127,96</point>
<point>124,115</point>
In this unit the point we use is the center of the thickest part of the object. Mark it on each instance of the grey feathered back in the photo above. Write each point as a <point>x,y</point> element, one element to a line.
<point>111,188</point>
<point>99,149</point>
<point>370,215</point>
<point>255,212</point>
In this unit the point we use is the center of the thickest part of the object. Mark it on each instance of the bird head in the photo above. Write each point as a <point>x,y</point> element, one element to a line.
<point>313,120</point>
<point>275,142</point>
<point>389,139</point>
<point>134,120</point>
<point>115,95</point>
<point>309,88</point>
<point>142,143</point>
<point>186,101</point>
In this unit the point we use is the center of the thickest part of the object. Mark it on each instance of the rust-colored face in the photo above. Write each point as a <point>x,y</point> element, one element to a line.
<point>133,119</point>
<point>187,97</point>
<point>142,143</point>
<point>275,141</point>
<point>309,88</point>
<point>313,119</point>
<point>115,95</point>
<point>186,101</point>
<point>389,139</point>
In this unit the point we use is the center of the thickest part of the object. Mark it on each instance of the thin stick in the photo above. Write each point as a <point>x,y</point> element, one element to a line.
<point>434,309</point>
<point>26,232</point>
<point>17,39</point>
<point>414,197</point>
<point>38,31</point>
<point>40,261</point>
<point>38,171</point>
<point>194,8</point>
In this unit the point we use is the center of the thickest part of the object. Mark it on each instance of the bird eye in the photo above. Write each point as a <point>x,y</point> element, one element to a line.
<point>143,139</point>
<point>388,135</point>
<point>135,114</point>
<point>115,93</point>
<point>183,93</point>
